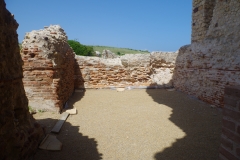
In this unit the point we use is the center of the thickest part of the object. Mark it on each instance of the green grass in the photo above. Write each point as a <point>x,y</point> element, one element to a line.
<point>31,110</point>
<point>116,50</point>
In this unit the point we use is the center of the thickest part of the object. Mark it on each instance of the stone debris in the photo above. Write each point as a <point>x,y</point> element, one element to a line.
<point>71,111</point>
<point>98,54</point>
<point>120,89</point>
<point>106,54</point>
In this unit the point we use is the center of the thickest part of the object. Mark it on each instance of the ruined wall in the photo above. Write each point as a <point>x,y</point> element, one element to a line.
<point>52,70</point>
<point>201,18</point>
<point>137,71</point>
<point>230,138</point>
<point>19,135</point>
<point>206,66</point>
<point>48,68</point>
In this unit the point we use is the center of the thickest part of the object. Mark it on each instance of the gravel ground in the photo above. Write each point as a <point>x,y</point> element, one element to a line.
<point>135,125</point>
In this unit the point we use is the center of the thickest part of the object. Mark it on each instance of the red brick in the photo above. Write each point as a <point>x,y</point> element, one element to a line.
<point>33,82</point>
<point>36,90</point>
<point>232,114</point>
<point>226,143</point>
<point>46,90</point>
<point>229,124</point>
<point>227,154</point>
<point>232,136</point>
<point>43,83</point>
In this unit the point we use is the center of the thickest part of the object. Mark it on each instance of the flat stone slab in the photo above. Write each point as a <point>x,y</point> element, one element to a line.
<point>71,111</point>
<point>50,142</point>
<point>120,89</point>
<point>58,125</point>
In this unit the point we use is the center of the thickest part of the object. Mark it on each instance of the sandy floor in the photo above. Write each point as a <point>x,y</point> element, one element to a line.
<point>135,125</point>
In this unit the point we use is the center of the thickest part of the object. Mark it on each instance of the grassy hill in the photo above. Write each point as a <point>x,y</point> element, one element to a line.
<point>119,51</point>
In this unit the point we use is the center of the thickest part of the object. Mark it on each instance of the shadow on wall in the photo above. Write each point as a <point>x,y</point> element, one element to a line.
<point>75,145</point>
<point>78,77</point>
<point>78,94</point>
<point>200,123</point>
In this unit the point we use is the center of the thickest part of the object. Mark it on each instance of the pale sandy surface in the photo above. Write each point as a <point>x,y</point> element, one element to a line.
<point>136,125</point>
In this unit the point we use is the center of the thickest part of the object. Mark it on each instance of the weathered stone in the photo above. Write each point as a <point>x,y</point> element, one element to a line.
<point>138,70</point>
<point>19,136</point>
<point>212,61</point>
<point>48,68</point>
<point>98,54</point>
<point>106,54</point>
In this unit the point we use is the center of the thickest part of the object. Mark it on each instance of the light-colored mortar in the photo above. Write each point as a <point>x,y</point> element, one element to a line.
<point>48,68</point>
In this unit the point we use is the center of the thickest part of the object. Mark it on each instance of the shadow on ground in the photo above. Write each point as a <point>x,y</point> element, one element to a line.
<point>77,95</point>
<point>200,122</point>
<point>75,145</point>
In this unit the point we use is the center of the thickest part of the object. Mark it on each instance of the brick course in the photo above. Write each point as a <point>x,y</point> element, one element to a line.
<point>48,68</point>
<point>153,70</point>
<point>211,62</point>
<point>230,140</point>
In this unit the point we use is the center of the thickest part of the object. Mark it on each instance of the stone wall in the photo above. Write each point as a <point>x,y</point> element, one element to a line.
<point>153,70</point>
<point>201,17</point>
<point>206,66</point>
<point>230,139</point>
<point>48,68</point>
<point>19,135</point>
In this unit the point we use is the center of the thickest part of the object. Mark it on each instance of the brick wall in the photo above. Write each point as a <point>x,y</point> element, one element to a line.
<point>230,139</point>
<point>212,62</point>
<point>136,71</point>
<point>50,75</point>
<point>48,68</point>
<point>19,134</point>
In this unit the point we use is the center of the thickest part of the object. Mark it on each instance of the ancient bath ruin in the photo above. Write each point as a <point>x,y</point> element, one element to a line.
<point>49,71</point>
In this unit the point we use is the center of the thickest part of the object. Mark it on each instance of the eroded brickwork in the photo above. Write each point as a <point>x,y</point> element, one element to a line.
<point>48,68</point>
<point>153,70</point>
<point>19,134</point>
<point>212,63</point>
<point>201,17</point>
<point>205,67</point>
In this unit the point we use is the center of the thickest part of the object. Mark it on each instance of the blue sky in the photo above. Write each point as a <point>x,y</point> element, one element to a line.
<point>155,25</point>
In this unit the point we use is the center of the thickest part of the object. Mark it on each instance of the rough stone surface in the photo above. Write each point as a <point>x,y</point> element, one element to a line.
<point>106,54</point>
<point>139,70</point>
<point>212,61</point>
<point>201,18</point>
<point>98,54</point>
<point>48,68</point>
<point>19,134</point>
